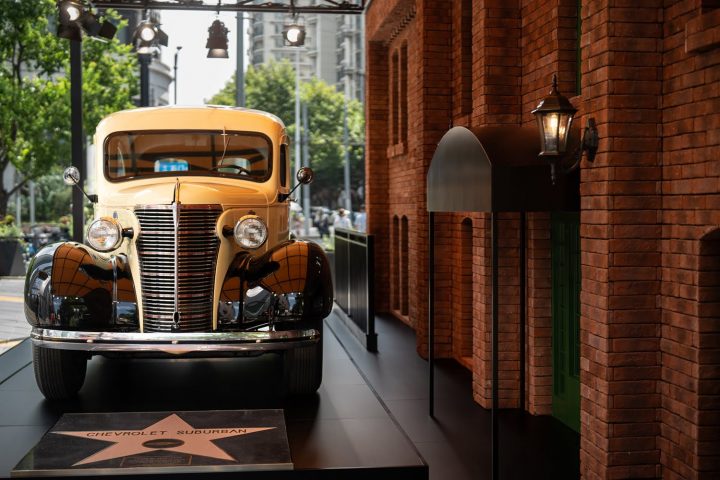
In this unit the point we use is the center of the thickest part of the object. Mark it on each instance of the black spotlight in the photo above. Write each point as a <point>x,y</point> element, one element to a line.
<point>74,18</point>
<point>94,28</point>
<point>107,30</point>
<point>148,36</point>
<point>70,11</point>
<point>217,42</point>
<point>69,15</point>
<point>294,34</point>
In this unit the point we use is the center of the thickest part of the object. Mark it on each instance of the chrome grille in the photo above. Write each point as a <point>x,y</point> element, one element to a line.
<point>177,248</point>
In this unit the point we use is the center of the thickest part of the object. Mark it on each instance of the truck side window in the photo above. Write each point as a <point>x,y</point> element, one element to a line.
<point>283,166</point>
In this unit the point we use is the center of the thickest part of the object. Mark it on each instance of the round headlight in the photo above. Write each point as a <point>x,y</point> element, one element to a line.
<point>250,232</point>
<point>104,234</point>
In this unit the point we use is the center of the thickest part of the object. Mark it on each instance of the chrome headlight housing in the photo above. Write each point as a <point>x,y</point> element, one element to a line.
<point>250,232</point>
<point>104,234</point>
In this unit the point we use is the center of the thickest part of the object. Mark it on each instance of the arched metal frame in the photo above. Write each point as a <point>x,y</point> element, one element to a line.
<point>325,6</point>
<point>491,169</point>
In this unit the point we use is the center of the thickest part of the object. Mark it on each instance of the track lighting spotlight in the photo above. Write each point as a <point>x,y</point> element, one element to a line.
<point>294,33</point>
<point>74,19</point>
<point>148,36</point>
<point>70,11</point>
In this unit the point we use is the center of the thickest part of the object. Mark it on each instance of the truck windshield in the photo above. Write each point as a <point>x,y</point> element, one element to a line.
<point>132,155</point>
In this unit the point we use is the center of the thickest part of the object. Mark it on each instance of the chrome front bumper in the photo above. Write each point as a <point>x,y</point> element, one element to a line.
<point>173,343</point>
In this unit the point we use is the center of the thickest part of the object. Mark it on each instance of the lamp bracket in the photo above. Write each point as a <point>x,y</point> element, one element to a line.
<point>588,144</point>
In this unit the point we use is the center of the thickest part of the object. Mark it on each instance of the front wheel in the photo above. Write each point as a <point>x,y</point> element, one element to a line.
<point>59,373</point>
<point>302,369</point>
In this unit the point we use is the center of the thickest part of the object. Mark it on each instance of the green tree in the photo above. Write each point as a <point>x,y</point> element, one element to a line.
<point>52,198</point>
<point>35,88</point>
<point>271,88</point>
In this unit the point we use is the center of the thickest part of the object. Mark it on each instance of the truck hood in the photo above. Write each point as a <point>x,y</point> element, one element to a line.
<point>188,192</point>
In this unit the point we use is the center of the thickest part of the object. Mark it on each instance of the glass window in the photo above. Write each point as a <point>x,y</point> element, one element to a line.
<point>132,155</point>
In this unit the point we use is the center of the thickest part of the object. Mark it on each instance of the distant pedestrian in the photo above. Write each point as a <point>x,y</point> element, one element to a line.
<point>342,220</point>
<point>361,219</point>
<point>324,226</point>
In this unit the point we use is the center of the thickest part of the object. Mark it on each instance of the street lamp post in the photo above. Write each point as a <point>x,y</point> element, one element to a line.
<point>298,160</point>
<point>306,163</point>
<point>175,74</point>
<point>346,160</point>
<point>144,59</point>
<point>77,141</point>
<point>240,69</point>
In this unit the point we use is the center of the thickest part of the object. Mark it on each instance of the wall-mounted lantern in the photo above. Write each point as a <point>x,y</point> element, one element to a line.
<point>554,115</point>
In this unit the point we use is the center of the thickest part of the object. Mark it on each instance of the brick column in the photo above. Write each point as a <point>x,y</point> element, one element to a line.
<point>376,166</point>
<point>496,69</point>
<point>496,100</point>
<point>620,242</point>
<point>433,71</point>
<point>539,315</point>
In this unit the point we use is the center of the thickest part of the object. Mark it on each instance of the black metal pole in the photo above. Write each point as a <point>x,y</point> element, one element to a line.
<point>495,390</point>
<point>144,59</point>
<point>240,67</point>
<point>523,313</point>
<point>77,138</point>
<point>175,75</point>
<point>431,313</point>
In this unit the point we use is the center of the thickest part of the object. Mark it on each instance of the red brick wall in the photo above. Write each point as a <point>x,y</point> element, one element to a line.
<point>620,240</point>
<point>497,71</point>
<point>650,338</point>
<point>689,349</point>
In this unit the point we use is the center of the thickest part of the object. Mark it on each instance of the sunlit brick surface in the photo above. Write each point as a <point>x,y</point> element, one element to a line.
<point>650,205</point>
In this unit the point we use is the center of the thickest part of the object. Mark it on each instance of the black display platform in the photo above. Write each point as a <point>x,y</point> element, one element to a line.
<point>343,432</point>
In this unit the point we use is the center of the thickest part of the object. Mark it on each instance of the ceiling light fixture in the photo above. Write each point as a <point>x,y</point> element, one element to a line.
<point>217,42</point>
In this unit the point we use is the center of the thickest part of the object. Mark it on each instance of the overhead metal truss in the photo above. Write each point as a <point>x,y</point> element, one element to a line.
<point>284,6</point>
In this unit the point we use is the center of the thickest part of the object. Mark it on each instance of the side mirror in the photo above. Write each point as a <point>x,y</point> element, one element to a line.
<point>71,176</point>
<point>305,175</point>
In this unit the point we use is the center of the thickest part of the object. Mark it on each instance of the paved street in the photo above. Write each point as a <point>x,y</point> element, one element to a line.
<point>12,319</point>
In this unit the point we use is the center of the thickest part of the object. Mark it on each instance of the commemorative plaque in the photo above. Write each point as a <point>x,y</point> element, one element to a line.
<point>160,442</point>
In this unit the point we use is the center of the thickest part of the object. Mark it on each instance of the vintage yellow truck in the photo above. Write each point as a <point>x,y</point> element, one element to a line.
<point>189,253</point>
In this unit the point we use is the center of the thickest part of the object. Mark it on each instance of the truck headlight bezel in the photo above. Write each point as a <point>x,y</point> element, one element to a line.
<point>250,232</point>
<point>104,234</point>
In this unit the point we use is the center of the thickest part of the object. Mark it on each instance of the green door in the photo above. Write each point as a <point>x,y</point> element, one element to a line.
<point>565,238</point>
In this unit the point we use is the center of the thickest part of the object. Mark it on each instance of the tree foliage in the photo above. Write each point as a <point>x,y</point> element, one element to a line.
<point>271,88</point>
<point>35,88</point>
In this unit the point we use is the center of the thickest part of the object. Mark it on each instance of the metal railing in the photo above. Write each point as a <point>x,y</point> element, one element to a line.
<point>354,283</point>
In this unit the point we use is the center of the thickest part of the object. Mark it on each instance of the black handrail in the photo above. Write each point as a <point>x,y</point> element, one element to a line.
<point>354,283</point>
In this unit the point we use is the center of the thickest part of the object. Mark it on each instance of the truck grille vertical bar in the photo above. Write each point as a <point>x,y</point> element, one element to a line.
<point>177,248</point>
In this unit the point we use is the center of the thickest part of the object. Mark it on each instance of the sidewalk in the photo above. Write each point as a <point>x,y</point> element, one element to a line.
<point>12,318</point>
